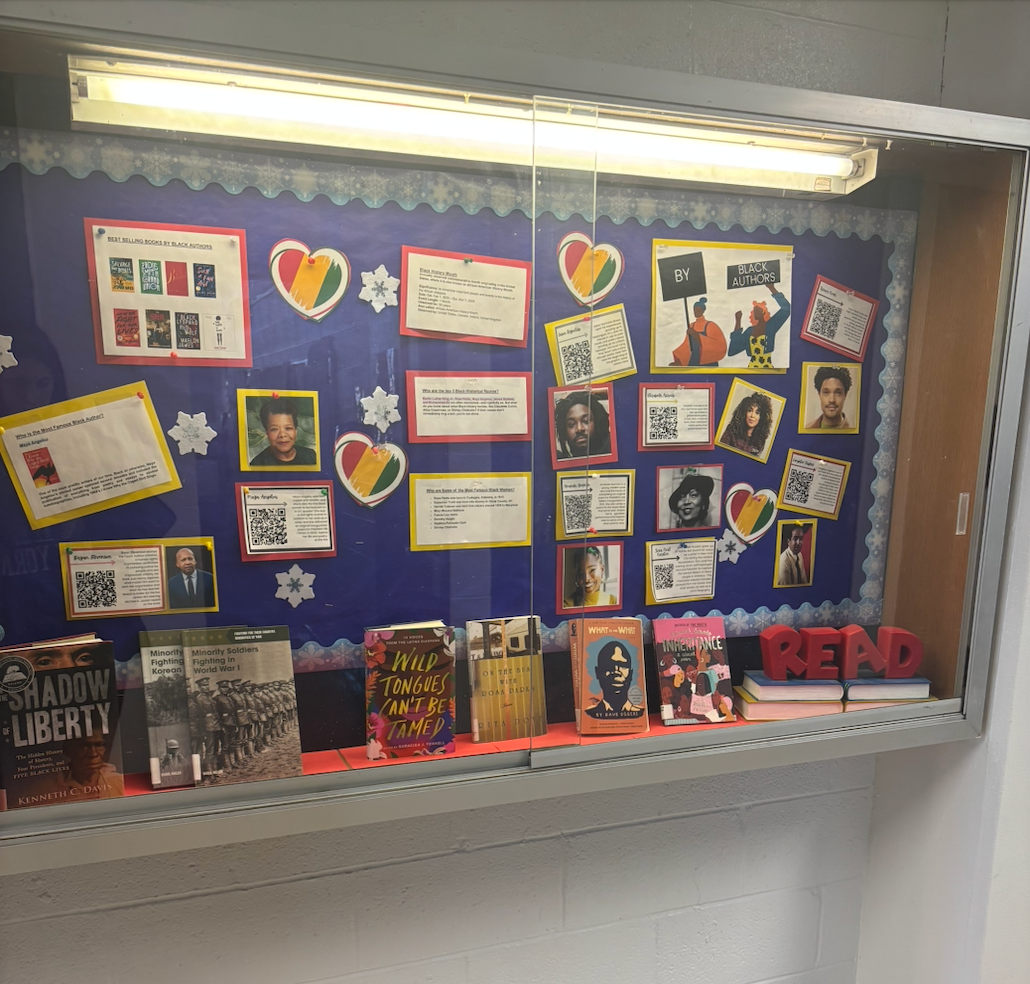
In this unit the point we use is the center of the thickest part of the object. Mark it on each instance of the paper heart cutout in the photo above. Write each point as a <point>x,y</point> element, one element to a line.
<point>369,472</point>
<point>590,272</point>
<point>750,514</point>
<point>311,282</point>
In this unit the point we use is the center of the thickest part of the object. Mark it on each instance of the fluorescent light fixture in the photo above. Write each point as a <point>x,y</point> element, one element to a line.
<point>246,103</point>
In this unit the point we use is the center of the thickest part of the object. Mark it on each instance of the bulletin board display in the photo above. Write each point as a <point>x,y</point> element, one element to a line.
<point>338,342</point>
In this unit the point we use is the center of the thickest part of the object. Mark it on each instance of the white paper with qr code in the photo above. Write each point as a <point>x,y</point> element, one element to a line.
<point>812,484</point>
<point>839,318</point>
<point>116,581</point>
<point>593,347</point>
<point>598,503</point>
<point>283,520</point>
<point>681,570</point>
<point>677,415</point>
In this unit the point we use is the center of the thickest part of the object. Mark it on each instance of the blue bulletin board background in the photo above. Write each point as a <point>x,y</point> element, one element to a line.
<point>50,182</point>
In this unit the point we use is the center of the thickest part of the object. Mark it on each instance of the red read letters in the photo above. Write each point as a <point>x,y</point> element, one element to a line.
<point>826,654</point>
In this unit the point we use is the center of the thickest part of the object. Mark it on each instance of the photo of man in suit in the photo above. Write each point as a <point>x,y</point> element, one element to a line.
<point>190,587</point>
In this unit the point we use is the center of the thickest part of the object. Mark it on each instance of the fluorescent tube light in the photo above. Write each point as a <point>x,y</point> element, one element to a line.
<point>407,120</point>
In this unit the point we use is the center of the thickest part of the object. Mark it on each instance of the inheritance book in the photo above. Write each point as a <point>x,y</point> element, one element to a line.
<point>693,672</point>
<point>880,688</point>
<point>409,690</point>
<point>58,723</point>
<point>608,661</point>
<point>242,704</point>
<point>751,709</point>
<point>168,708</point>
<point>760,687</point>
<point>506,675</point>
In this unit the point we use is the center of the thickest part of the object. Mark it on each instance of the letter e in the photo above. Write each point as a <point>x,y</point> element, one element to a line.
<point>780,646</point>
<point>818,653</point>
<point>902,650</point>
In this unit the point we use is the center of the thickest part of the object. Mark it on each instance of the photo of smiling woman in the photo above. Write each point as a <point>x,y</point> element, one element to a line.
<point>689,498</point>
<point>590,576</point>
<point>278,430</point>
<point>749,420</point>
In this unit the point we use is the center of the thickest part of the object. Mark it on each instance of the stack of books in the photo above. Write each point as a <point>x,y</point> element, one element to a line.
<point>869,692</point>
<point>762,699</point>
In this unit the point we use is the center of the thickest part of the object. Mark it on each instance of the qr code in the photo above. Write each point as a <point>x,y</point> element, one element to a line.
<point>577,511</point>
<point>95,589</point>
<point>577,363</point>
<point>825,319</point>
<point>267,526</point>
<point>661,423</point>
<point>662,576</point>
<point>799,484</point>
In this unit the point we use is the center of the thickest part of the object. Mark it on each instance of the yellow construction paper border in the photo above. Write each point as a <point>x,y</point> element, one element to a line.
<point>808,510</point>
<point>780,523</point>
<point>855,368</point>
<point>552,326</point>
<point>559,518</point>
<point>89,402</point>
<point>775,398</point>
<point>241,429</point>
<point>650,600</point>
<point>432,476</point>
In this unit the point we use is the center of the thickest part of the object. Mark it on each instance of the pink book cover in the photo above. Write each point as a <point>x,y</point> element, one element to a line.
<point>693,670</point>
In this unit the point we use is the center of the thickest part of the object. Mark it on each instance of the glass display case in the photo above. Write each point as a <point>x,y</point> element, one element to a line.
<point>378,447</point>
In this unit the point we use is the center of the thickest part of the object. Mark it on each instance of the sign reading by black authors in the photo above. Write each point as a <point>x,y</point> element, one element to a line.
<point>752,274</point>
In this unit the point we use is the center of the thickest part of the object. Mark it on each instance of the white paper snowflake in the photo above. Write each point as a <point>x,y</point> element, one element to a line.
<point>192,433</point>
<point>730,547</point>
<point>380,289</point>
<point>380,409</point>
<point>294,585</point>
<point>7,360</point>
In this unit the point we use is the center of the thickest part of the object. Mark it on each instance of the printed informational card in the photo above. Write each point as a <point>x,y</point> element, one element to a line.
<point>464,297</point>
<point>720,307</point>
<point>139,577</point>
<point>457,407</point>
<point>839,319</point>
<point>680,417</point>
<point>593,347</point>
<point>168,294</point>
<point>680,570</point>
<point>595,504</point>
<point>88,454</point>
<point>813,484</point>
<point>466,511</point>
<point>285,522</point>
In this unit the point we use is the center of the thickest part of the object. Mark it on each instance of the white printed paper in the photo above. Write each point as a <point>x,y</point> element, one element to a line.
<point>592,347</point>
<point>675,415</point>
<point>597,503</point>
<point>452,406</point>
<point>287,519</point>
<point>681,570</point>
<point>451,511</point>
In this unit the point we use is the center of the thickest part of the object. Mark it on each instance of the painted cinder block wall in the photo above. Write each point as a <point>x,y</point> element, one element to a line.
<point>908,868</point>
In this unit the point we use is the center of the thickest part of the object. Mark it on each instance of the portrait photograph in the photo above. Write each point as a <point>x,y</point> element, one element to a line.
<point>795,557</point>
<point>750,420</point>
<point>278,430</point>
<point>830,396</point>
<point>190,577</point>
<point>582,425</point>
<point>590,577</point>
<point>689,498</point>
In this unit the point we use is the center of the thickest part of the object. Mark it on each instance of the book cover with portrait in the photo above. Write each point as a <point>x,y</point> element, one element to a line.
<point>409,690</point>
<point>608,659</point>
<point>506,675</point>
<point>58,723</point>
<point>693,670</point>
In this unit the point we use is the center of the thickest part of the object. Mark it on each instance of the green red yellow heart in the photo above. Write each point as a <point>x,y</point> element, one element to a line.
<point>369,472</point>
<point>750,514</point>
<point>311,282</point>
<point>590,272</point>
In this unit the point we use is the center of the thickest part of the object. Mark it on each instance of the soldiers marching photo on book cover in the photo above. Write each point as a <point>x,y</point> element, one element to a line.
<point>243,704</point>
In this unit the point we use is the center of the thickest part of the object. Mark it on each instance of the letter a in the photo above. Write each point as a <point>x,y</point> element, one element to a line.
<point>780,646</point>
<point>858,648</point>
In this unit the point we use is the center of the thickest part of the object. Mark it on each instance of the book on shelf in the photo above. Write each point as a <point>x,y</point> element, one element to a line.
<point>58,723</point>
<point>246,676</point>
<point>752,709</point>
<point>761,687</point>
<point>409,690</point>
<point>168,708</point>
<point>608,662</point>
<point>868,705</point>
<point>506,677</point>
<point>693,671</point>
<point>880,688</point>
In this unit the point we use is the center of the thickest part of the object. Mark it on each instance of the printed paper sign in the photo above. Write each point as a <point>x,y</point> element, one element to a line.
<point>720,307</point>
<point>680,570</point>
<point>456,407</point>
<point>593,347</point>
<point>677,418</point>
<point>839,319</point>
<point>463,511</point>
<point>595,504</point>
<point>139,577</point>
<point>813,484</point>
<point>168,294</point>
<point>464,297</point>
<point>285,522</point>
<point>84,455</point>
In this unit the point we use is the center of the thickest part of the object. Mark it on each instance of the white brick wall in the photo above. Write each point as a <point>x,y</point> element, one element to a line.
<point>749,878</point>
